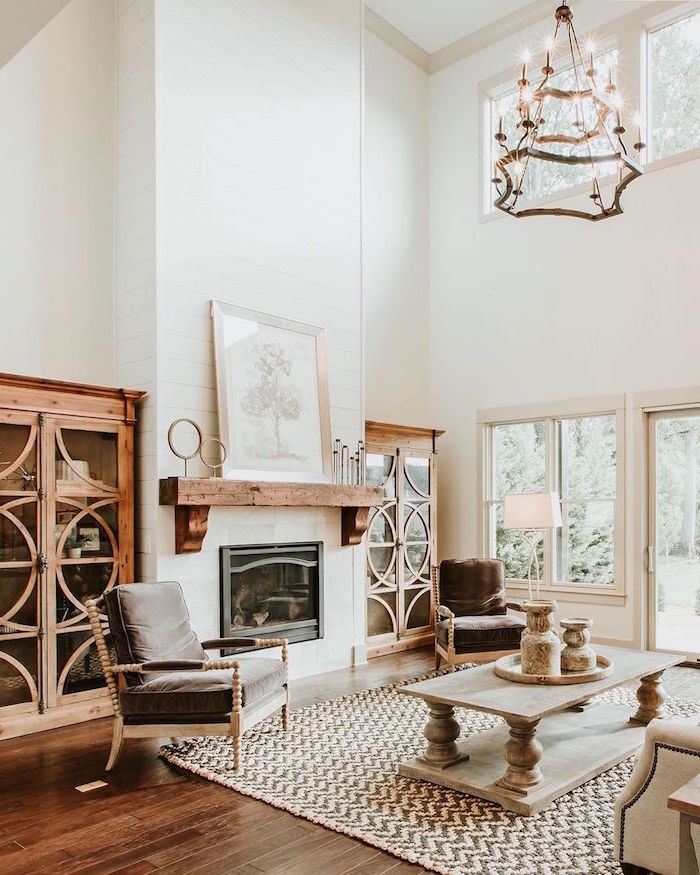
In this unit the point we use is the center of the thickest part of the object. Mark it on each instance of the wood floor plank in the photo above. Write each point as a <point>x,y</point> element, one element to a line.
<point>280,860</point>
<point>347,861</point>
<point>377,865</point>
<point>330,851</point>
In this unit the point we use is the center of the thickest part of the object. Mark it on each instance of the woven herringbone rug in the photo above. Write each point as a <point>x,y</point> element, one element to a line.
<point>337,766</point>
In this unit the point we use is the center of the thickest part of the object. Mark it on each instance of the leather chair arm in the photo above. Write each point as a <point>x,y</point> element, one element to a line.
<point>233,643</point>
<point>160,665</point>
<point>165,665</point>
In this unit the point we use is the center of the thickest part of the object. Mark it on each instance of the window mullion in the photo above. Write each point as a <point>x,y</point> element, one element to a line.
<point>550,469</point>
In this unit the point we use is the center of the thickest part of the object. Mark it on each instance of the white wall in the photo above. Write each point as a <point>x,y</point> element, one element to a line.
<point>395,220</point>
<point>135,298</point>
<point>257,115</point>
<point>547,308</point>
<point>57,198</point>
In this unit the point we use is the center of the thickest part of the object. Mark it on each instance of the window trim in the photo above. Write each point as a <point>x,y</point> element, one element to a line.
<point>550,412</point>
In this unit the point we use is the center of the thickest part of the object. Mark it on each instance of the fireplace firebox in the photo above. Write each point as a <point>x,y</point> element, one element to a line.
<point>272,591</point>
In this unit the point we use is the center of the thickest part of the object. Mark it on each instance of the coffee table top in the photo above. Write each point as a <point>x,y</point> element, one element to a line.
<point>482,690</point>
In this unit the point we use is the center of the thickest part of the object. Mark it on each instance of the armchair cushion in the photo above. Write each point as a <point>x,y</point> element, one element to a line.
<point>473,587</point>
<point>202,693</point>
<point>500,632</point>
<point>150,621</point>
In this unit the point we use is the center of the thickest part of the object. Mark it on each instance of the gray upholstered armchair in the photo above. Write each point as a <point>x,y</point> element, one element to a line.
<point>471,612</point>
<point>164,684</point>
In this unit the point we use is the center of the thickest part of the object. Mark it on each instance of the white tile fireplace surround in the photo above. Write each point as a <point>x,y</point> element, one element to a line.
<point>343,574</point>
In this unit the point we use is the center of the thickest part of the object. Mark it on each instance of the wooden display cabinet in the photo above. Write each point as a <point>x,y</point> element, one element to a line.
<point>66,535</point>
<point>401,537</point>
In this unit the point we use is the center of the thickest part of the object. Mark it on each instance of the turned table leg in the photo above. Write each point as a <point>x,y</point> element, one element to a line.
<point>523,753</point>
<point>442,731</point>
<point>651,696</point>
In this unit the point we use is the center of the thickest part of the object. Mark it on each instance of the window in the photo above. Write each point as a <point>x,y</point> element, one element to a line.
<point>547,178</point>
<point>586,481</point>
<point>674,88</point>
<point>578,458</point>
<point>518,466</point>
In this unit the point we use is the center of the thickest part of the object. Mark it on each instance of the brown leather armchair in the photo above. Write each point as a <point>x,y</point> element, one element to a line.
<point>164,684</point>
<point>472,622</point>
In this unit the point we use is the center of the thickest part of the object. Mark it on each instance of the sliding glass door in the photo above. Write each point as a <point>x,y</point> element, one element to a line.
<point>674,531</point>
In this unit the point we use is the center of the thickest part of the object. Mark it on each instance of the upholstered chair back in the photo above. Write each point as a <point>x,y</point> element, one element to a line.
<point>473,587</point>
<point>150,621</point>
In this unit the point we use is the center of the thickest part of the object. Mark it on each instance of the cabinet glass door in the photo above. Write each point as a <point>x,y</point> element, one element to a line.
<point>382,548</point>
<point>85,515</point>
<point>416,540</point>
<point>399,546</point>
<point>21,672</point>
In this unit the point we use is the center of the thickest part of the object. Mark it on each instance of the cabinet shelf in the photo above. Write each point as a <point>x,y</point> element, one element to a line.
<point>192,498</point>
<point>87,560</point>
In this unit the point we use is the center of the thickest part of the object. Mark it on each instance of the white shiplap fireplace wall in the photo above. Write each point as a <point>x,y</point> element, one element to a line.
<point>257,157</point>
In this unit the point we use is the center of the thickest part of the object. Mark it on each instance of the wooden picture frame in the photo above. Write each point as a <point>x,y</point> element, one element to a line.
<point>273,399</point>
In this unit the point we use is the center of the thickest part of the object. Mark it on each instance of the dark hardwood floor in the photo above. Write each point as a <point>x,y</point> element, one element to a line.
<point>153,817</point>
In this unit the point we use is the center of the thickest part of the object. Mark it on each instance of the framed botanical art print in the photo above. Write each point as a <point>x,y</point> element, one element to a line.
<point>272,388</point>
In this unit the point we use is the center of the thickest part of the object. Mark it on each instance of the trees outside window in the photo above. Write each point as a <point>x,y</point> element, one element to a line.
<point>674,88</point>
<point>583,471</point>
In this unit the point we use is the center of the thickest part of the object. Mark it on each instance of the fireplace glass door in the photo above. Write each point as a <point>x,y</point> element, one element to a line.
<point>272,591</point>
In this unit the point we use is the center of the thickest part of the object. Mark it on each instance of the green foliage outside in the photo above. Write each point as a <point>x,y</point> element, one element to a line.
<point>586,481</point>
<point>677,511</point>
<point>519,459</point>
<point>674,65</point>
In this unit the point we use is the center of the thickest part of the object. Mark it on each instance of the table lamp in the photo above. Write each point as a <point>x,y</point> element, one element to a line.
<point>532,512</point>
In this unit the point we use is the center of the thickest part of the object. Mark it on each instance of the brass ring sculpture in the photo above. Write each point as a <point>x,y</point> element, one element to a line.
<point>223,454</point>
<point>186,458</point>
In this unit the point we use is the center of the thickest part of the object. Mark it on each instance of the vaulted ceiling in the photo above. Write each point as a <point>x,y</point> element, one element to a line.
<point>434,24</point>
<point>20,20</point>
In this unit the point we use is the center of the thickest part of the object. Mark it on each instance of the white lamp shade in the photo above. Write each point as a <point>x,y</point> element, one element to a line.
<point>534,510</point>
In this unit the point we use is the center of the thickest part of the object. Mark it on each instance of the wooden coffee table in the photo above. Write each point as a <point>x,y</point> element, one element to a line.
<point>578,739</point>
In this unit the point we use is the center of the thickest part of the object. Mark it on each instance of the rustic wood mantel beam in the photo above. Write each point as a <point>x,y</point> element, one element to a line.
<point>192,498</point>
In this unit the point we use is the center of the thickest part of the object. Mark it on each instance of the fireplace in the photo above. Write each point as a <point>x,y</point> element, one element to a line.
<point>272,591</point>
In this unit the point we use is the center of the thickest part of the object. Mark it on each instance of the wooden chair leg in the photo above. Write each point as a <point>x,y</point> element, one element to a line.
<point>236,752</point>
<point>117,741</point>
<point>285,717</point>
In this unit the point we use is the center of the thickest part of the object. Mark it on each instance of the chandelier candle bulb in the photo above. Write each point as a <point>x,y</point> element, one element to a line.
<point>611,85</point>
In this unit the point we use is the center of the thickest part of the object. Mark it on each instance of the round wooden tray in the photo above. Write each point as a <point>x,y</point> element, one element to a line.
<point>509,667</point>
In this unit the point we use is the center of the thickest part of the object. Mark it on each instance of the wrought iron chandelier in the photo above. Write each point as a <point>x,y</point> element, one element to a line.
<point>574,127</point>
